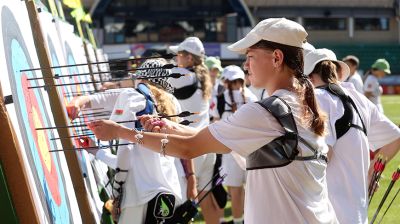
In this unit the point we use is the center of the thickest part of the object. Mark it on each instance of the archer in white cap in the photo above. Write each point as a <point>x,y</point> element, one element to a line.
<point>236,94</point>
<point>193,92</point>
<point>355,78</point>
<point>295,192</point>
<point>347,173</point>
<point>192,45</point>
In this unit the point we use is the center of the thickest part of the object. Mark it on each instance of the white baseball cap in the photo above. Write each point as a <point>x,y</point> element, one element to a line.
<point>278,30</point>
<point>232,72</point>
<point>312,58</point>
<point>191,44</point>
<point>307,47</point>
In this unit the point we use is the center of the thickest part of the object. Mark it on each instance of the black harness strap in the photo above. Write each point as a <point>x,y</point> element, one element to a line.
<point>8,100</point>
<point>343,124</point>
<point>262,94</point>
<point>150,103</point>
<point>187,91</point>
<point>284,149</point>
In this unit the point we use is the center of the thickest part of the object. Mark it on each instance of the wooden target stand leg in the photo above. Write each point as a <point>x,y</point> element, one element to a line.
<point>14,171</point>
<point>59,116</point>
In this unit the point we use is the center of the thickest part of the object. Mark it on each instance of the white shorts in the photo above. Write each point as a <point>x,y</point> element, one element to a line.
<point>236,176</point>
<point>204,168</point>
<point>136,214</point>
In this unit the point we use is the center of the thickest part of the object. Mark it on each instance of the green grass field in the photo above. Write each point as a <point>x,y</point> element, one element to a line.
<point>391,106</point>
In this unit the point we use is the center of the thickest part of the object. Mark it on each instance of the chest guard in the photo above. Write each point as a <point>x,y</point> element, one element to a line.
<point>150,105</point>
<point>284,149</point>
<point>343,124</point>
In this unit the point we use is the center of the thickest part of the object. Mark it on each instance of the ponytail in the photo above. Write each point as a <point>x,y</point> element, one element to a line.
<point>311,111</point>
<point>233,103</point>
<point>202,74</point>
<point>229,84</point>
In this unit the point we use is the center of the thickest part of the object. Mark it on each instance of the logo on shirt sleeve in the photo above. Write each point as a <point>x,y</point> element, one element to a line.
<point>118,112</point>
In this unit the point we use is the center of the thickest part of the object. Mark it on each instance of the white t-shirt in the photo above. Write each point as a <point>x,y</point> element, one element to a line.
<point>105,100</point>
<point>348,166</point>
<point>149,172</point>
<point>195,103</point>
<point>296,193</point>
<point>372,85</point>
<point>357,82</point>
<point>238,98</point>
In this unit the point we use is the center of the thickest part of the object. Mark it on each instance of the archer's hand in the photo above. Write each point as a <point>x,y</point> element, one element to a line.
<point>73,108</point>
<point>154,124</point>
<point>105,129</point>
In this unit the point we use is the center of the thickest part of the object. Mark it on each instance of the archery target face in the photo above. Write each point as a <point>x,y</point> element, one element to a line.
<point>30,111</point>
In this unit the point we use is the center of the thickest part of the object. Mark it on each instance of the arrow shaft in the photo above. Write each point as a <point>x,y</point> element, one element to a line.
<point>390,204</point>
<point>80,125</point>
<point>374,186</point>
<point>97,73</point>
<point>92,82</point>
<point>95,113</point>
<point>167,56</point>
<point>91,148</point>
<point>382,201</point>
<point>372,182</point>
<point>73,136</point>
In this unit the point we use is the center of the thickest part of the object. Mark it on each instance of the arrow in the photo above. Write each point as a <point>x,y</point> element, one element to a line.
<point>73,136</point>
<point>72,94</point>
<point>391,202</point>
<point>173,75</point>
<point>395,177</point>
<point>381,168</point>
<point>96,113</point>
<point>99,108</point>
<point>90,148</point>
<point>165,56</point>
<point>182,114</point>
<point>79,126</point>
<point>57,76</point>
<point>186,122</point>
<point>376,169</point>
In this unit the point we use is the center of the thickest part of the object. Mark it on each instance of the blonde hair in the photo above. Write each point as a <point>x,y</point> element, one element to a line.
<point>164,102</point>
<point>202,74</point>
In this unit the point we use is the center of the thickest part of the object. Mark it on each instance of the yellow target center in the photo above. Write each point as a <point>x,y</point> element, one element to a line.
<point>41,140</point>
